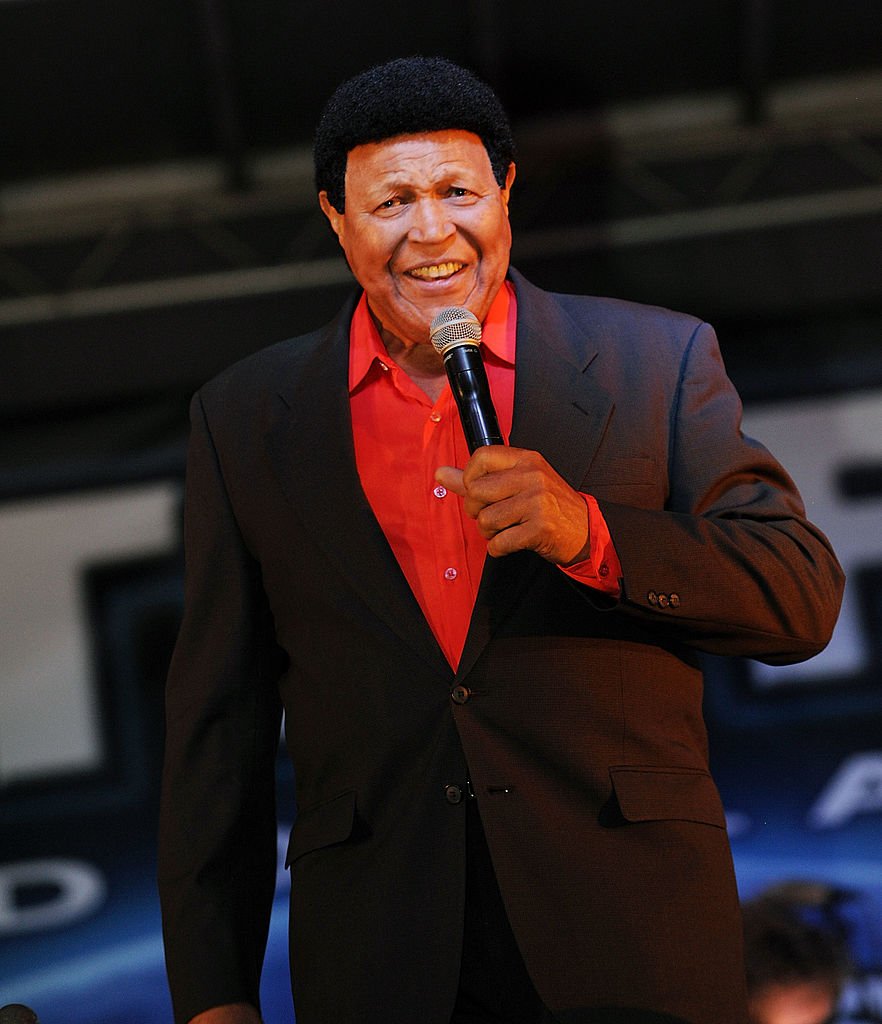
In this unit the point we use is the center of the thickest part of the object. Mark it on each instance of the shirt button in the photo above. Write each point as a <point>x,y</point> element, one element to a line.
<point>453,794</point>
<point>460,694</point>
<point>440,491</point>
<point>435,417</point>
<point>450,574</point>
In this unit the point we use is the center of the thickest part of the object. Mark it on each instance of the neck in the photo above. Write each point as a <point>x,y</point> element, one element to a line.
<point>420,362</point>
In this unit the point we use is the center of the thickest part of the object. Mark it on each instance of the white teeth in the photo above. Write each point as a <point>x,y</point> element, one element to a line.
<point>436,271</point>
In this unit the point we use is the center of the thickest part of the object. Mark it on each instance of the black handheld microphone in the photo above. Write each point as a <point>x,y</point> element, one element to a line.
<point>456,334</point>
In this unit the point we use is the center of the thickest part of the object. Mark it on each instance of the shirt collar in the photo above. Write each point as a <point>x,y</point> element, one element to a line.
<point>366,349</point>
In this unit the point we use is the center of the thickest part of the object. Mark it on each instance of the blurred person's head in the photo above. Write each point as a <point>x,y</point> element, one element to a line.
<point>795,953</point>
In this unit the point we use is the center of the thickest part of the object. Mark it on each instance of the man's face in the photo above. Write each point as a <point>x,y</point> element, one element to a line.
<point>425,226</point>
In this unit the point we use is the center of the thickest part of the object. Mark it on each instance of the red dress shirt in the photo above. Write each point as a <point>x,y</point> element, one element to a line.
<point>401,438</point>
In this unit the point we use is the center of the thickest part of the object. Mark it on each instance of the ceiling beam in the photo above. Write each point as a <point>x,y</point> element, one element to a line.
<point>753,71</point>
<point>222,87</point>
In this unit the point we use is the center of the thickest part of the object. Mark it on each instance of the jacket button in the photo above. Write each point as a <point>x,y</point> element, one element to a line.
<point>603,571</point>
<point>453,794</point>
<point>675,600</point>
<point>652,597</point>
<point>460,694</point>
<point>663,600</point>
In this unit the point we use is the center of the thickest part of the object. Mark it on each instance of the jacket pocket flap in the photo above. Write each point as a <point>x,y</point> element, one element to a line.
<point>657,794</point>
<point>322,825</point>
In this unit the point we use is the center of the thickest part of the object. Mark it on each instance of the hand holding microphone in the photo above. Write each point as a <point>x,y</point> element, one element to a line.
<point>518,501</point>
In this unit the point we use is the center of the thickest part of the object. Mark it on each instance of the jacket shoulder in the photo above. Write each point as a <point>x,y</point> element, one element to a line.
<point>590,310</point>
<point>263,366</point>
<point>279,366</point>
<point>613,324</point>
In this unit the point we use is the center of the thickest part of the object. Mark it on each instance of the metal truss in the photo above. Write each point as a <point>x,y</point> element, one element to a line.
<point>628,177</point>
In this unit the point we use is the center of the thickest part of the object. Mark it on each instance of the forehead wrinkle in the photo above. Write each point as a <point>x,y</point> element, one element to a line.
<point>410,162</point>
<point>403,177</point>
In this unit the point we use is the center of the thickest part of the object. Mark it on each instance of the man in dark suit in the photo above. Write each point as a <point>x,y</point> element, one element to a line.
<point>504,806</point>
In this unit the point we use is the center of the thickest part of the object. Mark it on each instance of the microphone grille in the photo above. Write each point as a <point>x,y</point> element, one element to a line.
<point>454,326</point>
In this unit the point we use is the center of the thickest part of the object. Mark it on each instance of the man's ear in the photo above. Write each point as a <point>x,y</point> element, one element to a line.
<point>335,218</point>
<point>509,181</point>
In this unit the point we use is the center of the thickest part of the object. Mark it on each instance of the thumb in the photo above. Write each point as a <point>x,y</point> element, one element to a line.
<point>451,478</point>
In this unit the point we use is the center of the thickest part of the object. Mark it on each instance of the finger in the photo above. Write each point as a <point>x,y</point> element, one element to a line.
<point>494,517</point>
<point>506,542</point>
<point>523,537</point>
<point>491,459</point>
<point>558,533</point>
<point>451,478</point>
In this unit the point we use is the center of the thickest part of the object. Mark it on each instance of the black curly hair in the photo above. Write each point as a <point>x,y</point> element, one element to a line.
<point>407,96</point>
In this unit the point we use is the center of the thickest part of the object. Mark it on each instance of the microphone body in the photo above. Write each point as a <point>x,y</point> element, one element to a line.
<point>456,334</point>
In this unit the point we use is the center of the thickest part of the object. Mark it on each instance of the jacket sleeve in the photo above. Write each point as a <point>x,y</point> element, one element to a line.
<point>217,842</point>
<point>730,565</point>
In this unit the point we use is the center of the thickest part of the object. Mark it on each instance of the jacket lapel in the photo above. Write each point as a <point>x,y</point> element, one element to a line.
<point>311,447</point>
<point>560,411</point>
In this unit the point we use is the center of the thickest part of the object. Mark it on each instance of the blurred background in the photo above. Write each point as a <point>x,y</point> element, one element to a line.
<point>158,221</point>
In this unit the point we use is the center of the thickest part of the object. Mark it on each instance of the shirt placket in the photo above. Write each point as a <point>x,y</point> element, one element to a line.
<point>452,583</point>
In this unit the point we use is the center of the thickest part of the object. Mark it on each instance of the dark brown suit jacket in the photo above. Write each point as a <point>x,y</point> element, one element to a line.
<point>579,722</point>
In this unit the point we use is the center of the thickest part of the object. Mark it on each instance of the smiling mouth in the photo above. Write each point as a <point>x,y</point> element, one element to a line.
<point>436,271</point>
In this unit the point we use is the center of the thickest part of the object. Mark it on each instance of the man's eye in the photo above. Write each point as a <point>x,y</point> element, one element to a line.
<point>457,192</point>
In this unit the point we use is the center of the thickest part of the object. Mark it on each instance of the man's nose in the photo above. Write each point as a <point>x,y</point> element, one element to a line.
<point>431,221</point>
